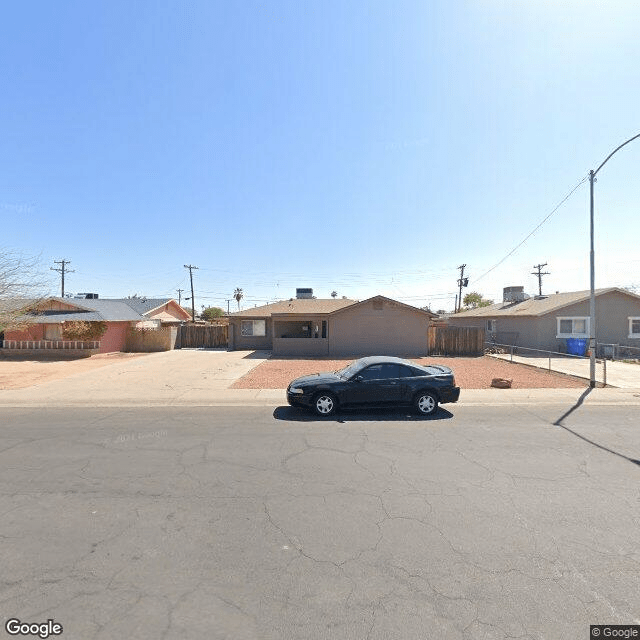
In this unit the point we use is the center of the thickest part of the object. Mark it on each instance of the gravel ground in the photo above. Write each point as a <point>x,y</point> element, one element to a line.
<point>471,373</point>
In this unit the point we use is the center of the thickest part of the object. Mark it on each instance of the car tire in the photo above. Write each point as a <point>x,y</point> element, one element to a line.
<point>426,403</point>
<point>325,404</point>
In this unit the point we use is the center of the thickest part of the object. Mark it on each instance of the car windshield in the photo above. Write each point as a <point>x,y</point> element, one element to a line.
<point>350,370</point>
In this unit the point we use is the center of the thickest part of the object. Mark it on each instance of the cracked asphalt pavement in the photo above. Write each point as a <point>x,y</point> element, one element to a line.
<point>183,523</point>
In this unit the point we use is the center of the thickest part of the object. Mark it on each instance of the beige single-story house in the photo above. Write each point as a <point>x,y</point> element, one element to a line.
<point>546,322</point>
<point>332,327</point>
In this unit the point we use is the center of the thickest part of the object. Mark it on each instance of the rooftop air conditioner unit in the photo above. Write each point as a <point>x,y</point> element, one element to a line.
<point>513,294</point>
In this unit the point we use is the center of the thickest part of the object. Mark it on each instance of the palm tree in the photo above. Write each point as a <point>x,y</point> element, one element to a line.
<point>334,294</point>
<point>238,295</point>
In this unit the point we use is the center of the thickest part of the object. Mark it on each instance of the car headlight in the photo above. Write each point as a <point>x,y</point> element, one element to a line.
<point>295,391</point>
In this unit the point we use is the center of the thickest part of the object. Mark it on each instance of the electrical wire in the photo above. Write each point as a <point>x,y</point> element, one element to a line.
<point>495,266</point>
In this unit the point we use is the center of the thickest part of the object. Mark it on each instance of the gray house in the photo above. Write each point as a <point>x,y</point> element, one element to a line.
<point>332,327</point>
<point>546,322</point>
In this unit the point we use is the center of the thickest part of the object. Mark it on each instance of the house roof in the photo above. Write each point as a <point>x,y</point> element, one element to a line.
<point>88,310</point>
<point>295,305</point>
<point>537,306</point>
<point>55,316</point>
<point>11,305</point>
<point>301,306</point>
<point>146,305</point>
<point>393,302</point>
<point>112,310</point>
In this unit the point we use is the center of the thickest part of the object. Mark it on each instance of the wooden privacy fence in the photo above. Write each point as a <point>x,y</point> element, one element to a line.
<point>203,336</point>
<point>456,341</point>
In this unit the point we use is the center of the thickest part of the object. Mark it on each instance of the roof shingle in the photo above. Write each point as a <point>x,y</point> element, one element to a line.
<point>537,306</point>
<point>295,305</point>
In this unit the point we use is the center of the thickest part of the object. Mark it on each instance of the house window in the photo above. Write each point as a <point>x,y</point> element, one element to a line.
<point>634,327</point>
<point>573,327</point>
<point>253,328</point>
<point>491,326</point>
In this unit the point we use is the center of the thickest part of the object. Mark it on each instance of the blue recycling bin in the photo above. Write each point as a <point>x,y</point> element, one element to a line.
<point>576,346</point>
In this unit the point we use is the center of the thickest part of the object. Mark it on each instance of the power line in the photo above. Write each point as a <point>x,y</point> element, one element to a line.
<point>495,266</point>
<point>62,270</point>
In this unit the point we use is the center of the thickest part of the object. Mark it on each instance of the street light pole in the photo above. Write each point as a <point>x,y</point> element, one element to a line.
<point>592,296</point>
<point>592,291</point>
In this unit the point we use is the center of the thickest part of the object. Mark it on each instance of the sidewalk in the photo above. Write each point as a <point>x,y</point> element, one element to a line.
<point>201,397</point>
<point>618,374</point>
<point>202,378</point>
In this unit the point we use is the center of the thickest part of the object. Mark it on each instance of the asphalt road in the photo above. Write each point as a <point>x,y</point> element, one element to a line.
<point>206,523</point>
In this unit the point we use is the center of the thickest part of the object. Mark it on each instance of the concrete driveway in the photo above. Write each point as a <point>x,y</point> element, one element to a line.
<point>170,377</point>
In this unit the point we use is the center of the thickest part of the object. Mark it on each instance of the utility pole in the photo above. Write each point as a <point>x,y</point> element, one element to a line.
<point>462,282</point>
<point>592,267</point>
<point>228,301</point>
<point>193,304</point>
<point>539,274</point>
<point>62,270</point>
<point>180,296</point>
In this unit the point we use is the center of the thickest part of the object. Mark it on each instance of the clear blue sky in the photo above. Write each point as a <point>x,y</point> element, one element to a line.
<point>363,147</point>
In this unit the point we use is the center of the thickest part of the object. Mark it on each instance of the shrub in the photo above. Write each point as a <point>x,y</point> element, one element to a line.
<point>212,312</point>
<point>83,330</point>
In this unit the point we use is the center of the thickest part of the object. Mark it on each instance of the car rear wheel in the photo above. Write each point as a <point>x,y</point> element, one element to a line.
<point>426,403</point>
<point>325,404</point>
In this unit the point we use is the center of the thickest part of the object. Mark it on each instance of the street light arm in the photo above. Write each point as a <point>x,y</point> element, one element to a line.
<point>613,152</point>
<point>592,292</point>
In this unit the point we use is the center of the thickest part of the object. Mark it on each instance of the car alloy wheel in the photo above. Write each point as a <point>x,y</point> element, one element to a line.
<point>325,404</point>
<point>426,403</point>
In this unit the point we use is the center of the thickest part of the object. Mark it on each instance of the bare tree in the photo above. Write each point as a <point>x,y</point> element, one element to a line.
<point>238,295</point>
<point>22,287</point>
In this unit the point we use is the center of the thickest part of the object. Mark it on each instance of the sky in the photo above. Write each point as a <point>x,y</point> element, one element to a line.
<point>367,147</point>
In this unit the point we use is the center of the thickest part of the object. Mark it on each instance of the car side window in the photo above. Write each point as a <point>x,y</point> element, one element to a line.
<point>406,372</point>
<point>380,372</point>
<point>371,373</point>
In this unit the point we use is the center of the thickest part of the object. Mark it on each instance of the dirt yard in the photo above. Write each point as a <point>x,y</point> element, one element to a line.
<point>471,373</point>
<point>18,373</point>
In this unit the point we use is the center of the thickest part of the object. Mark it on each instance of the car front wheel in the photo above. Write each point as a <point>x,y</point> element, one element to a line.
<point>325,404</point>
<point>426,403</point>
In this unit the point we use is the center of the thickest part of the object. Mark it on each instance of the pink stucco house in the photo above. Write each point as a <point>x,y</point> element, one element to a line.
<point>47,317</point>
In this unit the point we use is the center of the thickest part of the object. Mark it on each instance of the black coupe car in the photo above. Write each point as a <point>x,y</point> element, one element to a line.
<point>376,381</point>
